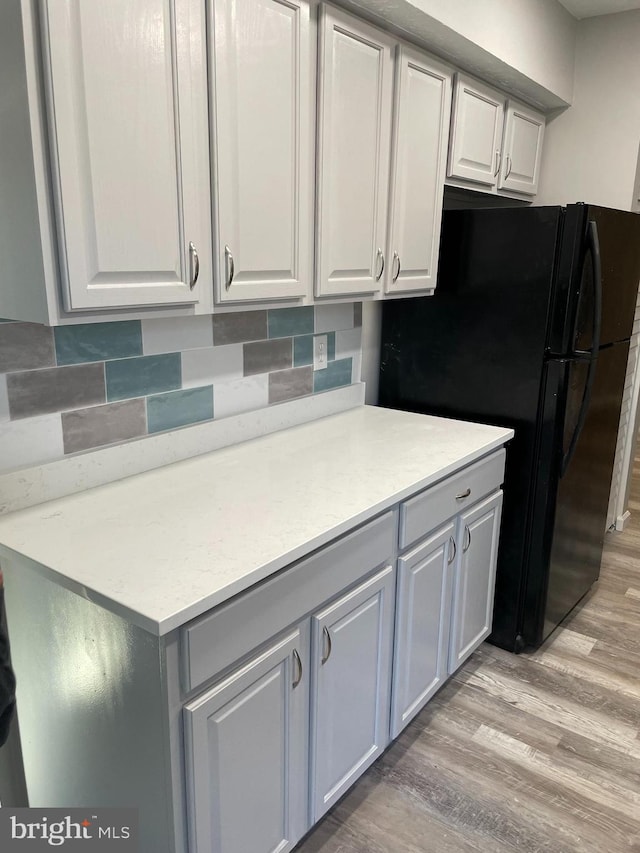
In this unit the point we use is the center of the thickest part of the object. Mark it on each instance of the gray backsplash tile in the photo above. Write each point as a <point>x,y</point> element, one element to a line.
<point>288,384</point>
<point>239,327</point>
<point>357,314</point>
<point>37,392</point>
<point>100,425</point>
<point>25,346</point>
<point>265,356</point>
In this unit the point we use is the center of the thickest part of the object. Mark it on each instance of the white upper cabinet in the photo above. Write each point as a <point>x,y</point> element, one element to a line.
<point>418,165</point>
<point>522,149</point>
<point>128,133</point>
<point>354,136</point>
<point>476,135</point>
<point>263,98</point>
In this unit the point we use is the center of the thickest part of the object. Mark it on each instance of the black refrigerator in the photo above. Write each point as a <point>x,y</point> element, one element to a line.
<point>529,327</point>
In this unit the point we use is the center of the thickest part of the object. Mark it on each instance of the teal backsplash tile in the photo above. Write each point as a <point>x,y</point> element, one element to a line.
<point>179,408</point>
<point>336,374</point>
<point>303,349</point>
<point>331,346</point>
<point>286,322</point>
<point>98,341</point>
<point>147,374</point>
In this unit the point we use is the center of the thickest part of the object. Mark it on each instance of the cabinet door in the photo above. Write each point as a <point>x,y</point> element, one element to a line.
<point>354,137</point>
<point>423,610</point>
<point>476,137</point>
<point>263,99</point>
<point>475,575</point>
<point>418,164</point>
<point>128,107</point>
<point>522,149</point>
<point>351,654</point>
<point>246,756</point>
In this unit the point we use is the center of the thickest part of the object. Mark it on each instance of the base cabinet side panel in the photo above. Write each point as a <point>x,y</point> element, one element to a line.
<point>245,751</point>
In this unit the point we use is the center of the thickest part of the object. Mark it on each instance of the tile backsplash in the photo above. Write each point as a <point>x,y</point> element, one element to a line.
<point>74,388</point>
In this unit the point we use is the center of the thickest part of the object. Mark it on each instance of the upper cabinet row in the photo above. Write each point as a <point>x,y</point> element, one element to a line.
<point>186,155</point>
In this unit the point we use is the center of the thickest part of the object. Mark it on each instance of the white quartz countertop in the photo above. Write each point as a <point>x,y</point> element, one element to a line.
<point>165,546</point>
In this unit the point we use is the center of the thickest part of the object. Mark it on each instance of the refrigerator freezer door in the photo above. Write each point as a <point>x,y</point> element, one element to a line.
<point>619,238</point>
<point>583,490</point>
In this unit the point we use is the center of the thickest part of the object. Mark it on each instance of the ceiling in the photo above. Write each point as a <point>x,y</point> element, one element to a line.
<point>589,8</point>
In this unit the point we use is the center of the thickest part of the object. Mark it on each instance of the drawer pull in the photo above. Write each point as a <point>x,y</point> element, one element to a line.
<point>298,662</point>
<point>326,636</point>
<point>463,495</point>
<point>467,537</point>
<point>452,550</point>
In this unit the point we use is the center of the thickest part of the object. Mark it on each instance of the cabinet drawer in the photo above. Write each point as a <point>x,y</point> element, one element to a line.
<point>426,511</point>
<point>214,642</point>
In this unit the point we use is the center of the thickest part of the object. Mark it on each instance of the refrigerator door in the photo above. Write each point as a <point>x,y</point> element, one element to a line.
<point>583,487</point>
<point>619,238</point>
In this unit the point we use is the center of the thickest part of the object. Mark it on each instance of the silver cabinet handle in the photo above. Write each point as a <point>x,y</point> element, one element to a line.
<point>194,262</point>
<point>463,495</point>
<point>509,165</point>
<point>396,257</point>
<point>498,163</point>
<point>380,256</point>
<point>452,547</point>
<point>298,662</point>
<point>326,636</point>
<point>467,536</point>
<point>231,267</point>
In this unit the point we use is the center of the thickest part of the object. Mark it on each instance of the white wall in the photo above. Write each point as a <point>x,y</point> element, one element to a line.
<point>591,150</point>
<point>524,46</point>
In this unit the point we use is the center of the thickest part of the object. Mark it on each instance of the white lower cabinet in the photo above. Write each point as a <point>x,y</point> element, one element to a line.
<point>422,625</point>
<point>472,612</point>
<point>302,707</point>
<point>351,670</point>
<point>446,582</point>
<point>246,755</point>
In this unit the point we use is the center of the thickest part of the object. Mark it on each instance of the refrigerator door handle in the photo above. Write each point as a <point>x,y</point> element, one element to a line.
<point>594,245</point>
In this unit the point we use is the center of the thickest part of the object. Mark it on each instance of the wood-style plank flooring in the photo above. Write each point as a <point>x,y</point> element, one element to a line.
<point>536,752</point>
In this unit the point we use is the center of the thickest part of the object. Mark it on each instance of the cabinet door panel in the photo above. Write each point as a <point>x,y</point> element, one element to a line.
<point>127,101</point>
<point>476,138</point>
<point>245,753</point>
<point>351,672</point>
<point>522,149</point>
<point>477,540</point>
<point>419,152</point>
<point>353,157</point>
<point>422,625</point>
<point>262,131</point>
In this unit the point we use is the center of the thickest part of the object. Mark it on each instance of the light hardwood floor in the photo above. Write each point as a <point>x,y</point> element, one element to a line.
<point>536,752</point>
